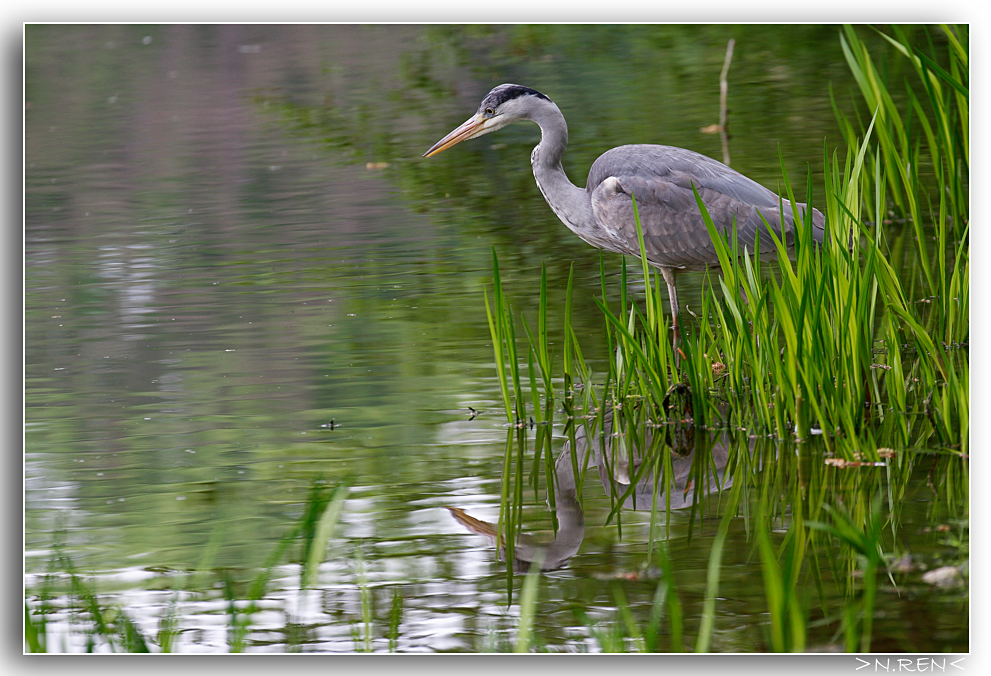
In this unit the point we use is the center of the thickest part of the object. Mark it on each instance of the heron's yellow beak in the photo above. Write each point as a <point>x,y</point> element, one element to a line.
<point>476,125</point>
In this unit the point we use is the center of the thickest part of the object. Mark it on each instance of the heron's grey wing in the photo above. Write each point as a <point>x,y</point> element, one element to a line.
<point>661,178</point>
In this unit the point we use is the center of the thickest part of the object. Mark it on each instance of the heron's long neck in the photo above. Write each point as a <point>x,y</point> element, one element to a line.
<point>568,201</point>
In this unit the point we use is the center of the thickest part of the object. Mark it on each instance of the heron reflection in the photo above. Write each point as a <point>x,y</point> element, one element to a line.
<point>619,469</point>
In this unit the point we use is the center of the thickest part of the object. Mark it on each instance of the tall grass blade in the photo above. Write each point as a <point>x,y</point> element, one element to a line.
<point>495,317</point>
<point>324,515</point>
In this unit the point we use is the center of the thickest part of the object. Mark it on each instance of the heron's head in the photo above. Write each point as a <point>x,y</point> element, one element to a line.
<point>503,105</point>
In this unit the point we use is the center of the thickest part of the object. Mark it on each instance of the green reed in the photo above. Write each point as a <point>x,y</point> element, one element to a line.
<point>501,328</point>
<point>930,312</point>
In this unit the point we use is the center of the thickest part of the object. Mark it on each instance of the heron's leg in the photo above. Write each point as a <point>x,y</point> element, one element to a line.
<point>668,274</point>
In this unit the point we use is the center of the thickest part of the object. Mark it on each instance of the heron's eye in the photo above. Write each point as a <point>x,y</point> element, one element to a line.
<point>489,111</point>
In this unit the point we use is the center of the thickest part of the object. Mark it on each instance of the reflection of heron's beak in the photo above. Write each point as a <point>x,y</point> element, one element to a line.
<point>474,525</point>
<point>474,126</point>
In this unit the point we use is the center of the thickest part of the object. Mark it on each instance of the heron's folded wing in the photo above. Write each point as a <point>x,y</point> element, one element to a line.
<point>662,178</point>
<point>674,231</point>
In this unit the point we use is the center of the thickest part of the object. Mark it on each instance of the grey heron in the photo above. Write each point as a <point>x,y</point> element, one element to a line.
<point>661,178</point>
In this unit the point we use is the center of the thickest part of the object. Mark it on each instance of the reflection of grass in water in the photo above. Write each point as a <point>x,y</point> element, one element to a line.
<point>834,342</point>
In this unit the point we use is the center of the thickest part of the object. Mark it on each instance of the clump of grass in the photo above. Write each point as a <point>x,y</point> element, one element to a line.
<point>931,309</point>
<point>113,629</point>
<point>108,628</point>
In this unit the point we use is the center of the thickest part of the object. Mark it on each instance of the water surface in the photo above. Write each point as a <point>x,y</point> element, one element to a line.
<point>242,278</point>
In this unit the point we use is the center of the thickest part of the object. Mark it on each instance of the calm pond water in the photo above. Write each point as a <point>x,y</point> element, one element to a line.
<point>242,278</point>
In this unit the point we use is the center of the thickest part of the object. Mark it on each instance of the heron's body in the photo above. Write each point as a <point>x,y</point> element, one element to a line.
<point>660,177</point>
